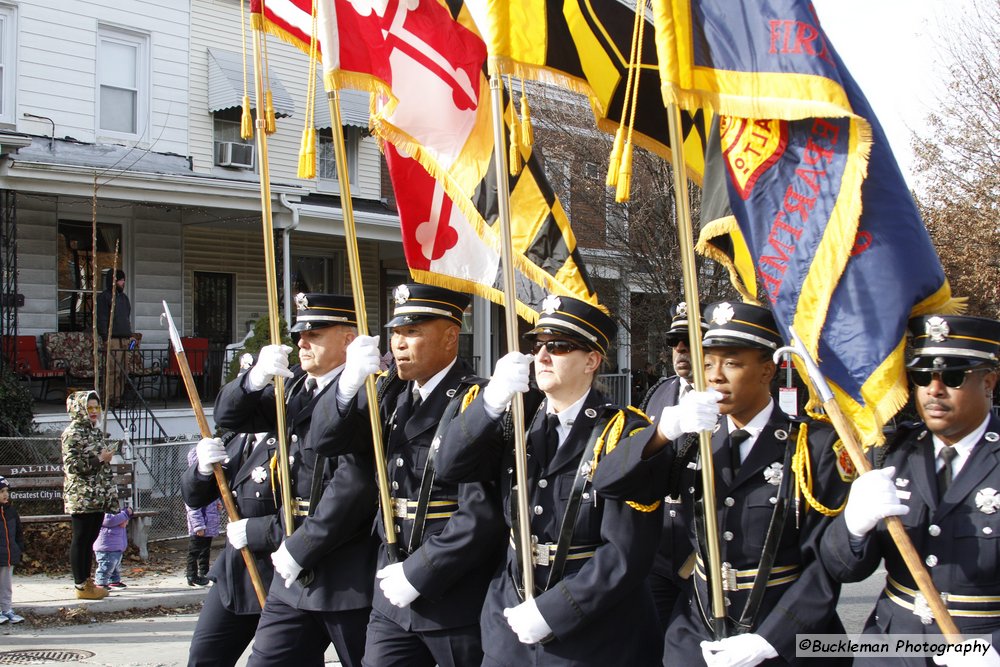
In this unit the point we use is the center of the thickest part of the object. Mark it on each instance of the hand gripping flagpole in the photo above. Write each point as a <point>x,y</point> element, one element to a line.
<point>354,262</point>
<point>272,282</point>
<point>510,320</point>
<point>847,435</point>
<point>685,240</point>
<point>206,432</point>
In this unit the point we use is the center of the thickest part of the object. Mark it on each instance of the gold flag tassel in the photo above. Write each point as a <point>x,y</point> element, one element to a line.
<point>514,159</point>
<point>527,134</point>
<point>270,122</point>
<point>307,147</point>
<point>246,120</point>
<point>635,69</point>
<point>618,147</point>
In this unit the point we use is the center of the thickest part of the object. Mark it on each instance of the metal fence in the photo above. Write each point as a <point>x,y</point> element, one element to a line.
<point>616,386</point>
<point>155,485</point>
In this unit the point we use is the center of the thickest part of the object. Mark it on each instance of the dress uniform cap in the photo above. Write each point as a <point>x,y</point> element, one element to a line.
<point>317,311</point>
<point>954,341</point>
<point>734,324</point>
<point>415,302</point>
<point>578,320</point>
<point>678,330</point>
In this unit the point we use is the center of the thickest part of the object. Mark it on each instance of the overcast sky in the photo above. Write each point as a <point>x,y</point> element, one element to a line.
<point>890,49</point>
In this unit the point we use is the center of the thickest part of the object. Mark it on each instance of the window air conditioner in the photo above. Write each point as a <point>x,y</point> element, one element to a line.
<point>232,154</point>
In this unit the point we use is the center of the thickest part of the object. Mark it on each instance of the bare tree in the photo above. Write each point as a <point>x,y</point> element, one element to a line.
<point>959,158</point>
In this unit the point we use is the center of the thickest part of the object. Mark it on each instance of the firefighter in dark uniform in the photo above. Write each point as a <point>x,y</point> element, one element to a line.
<point>448,536</point>
<point>671,569</point>
<point>228,618</point>
<point>772,579</point>
<point>591,555</point>
<point>321,593</point>
<point>942,478</point>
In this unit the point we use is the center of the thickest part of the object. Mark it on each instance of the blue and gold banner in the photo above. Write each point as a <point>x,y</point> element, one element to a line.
<point>822,227</point>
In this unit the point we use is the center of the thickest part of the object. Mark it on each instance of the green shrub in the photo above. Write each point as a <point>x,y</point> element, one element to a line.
<point>261,337</point>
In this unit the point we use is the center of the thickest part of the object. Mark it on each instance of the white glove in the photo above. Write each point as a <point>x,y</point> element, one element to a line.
<point>209,451</point>
<point>363,359</point>
<point>272,360</point>
<point>873,497</point>
<point>285,566</point>
<point>697,411</point>
<point>737,651</point>
<point>236,533</point>
<point>527,622</point>
<point>395,586</point>
<point>974,657</point>
<point>509,377</point>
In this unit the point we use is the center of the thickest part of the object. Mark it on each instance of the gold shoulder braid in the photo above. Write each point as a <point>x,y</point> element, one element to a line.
<point>469,397</point>
<point>609,440</point>
<point>802,468</point>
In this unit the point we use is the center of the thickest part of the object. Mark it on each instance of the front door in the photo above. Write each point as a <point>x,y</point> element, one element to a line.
<point>213,307</point>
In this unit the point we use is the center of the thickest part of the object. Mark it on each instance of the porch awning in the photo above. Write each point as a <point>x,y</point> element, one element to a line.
<point>225,84</point>
<point>354,106</point>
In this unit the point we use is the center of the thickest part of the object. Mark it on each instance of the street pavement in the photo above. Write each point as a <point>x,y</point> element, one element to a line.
<point>162,641</point>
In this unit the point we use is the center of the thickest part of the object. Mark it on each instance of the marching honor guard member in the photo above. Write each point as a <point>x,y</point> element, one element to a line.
<point>592,555</point>
<point>322,592</point>
<point>769,518</point>
<point>448,536</point>
<point>229,616</point>
<point>941,477</point>
<point>669,577</point>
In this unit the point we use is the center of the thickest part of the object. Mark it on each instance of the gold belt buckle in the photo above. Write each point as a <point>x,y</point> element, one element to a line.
<point>399,507</point>
<point>728,577</point>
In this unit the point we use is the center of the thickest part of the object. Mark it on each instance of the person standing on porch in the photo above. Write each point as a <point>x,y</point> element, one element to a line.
<point>120,324</point>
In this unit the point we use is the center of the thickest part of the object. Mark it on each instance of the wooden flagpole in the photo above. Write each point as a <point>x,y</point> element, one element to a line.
<point>272,281</point>
<point>107,343</point>
<point>510,320</point>
<point>354,263</point>
<point>206,432</point>
<point>685,239</point>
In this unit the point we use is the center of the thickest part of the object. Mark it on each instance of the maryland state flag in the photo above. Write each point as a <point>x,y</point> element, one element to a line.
<point>823,227</point>
<point>427,71</point>
<point>585,46</point>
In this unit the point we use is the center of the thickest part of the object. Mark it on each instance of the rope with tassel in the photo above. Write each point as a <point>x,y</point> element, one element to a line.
<point>617,148</point>
<point>270,122</point>
<point>625,170</point>
<point>802,469</point>
<point>514,158</point>
<point>246,120</point>
<point>527,134</point>
<point>307,147</point>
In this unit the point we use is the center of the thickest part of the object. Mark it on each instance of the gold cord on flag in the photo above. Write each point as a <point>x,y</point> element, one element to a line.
<point>617,148</point>
<point>307,147</point>
<point>635,69</point>
<point>514,159</point>
<point>527,134</point>
<point>246,120</point>
<point>270,123</point>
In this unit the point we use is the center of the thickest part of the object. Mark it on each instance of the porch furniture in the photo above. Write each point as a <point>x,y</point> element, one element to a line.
<point>196,351</point>
<point>21,352</point>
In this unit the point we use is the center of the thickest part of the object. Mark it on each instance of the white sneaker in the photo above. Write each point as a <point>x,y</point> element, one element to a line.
<point>4,619</point>
<point>12,617</point>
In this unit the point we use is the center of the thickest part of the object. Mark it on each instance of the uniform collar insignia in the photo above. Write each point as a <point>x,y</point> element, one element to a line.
<point>987,500</point>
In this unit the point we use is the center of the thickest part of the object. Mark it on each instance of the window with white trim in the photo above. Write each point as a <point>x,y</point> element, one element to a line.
<point>326,159</point>
<point>122,82</point>
<point>8,62</point>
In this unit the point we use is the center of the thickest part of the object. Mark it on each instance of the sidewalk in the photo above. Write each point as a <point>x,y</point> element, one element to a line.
<point>42,595</point>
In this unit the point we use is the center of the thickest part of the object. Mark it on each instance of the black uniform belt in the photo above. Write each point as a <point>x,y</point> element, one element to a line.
<point>965,606</point>
<point>300,507</point>
<point>436,509</point>
<point>544,554</point>
<point>742,580</point>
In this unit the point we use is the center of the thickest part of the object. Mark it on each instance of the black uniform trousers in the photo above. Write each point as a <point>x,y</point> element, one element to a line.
<point>388,645</point>
<point>288,634</point>
<point>220,637</point>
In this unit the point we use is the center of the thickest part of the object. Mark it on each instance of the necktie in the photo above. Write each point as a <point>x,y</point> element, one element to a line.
<point>310,387</point>
<point>736,438</point>
<point>945,475</point>
<point>551,437</point>
<point>415,399</point>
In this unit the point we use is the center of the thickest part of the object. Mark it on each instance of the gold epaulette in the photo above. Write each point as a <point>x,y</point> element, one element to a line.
<point>469,397</point>
<point>802,469</point>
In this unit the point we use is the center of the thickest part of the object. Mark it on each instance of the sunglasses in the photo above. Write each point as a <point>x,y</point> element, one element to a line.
<point>953,379</point>
<point>555,347</point>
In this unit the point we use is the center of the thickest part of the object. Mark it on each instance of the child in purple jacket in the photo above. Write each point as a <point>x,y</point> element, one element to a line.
<point>109,547</point>
<point>203,525</point>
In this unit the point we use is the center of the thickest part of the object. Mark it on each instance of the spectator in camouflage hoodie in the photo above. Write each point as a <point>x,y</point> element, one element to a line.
<point>89,489</point>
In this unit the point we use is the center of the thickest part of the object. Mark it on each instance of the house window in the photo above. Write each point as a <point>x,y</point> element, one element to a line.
<point>232,150</point>
<point>326,160</point>
<point>76,269</point>
<point>318,273</point>
<point>8,61</point>
<point>122,79</point>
